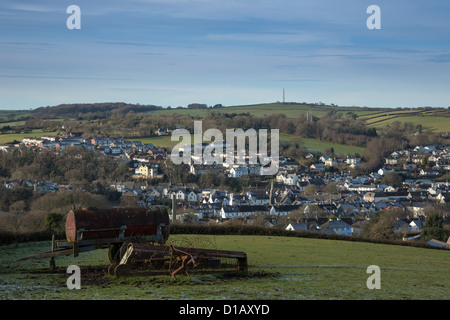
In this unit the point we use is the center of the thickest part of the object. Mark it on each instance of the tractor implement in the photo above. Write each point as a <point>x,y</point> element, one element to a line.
<point>137,239</point>
<point>173,259</point>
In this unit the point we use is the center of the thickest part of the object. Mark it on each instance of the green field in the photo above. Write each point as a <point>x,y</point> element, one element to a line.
<point>310,144</point>
<point>435,120</point>
<point>161,141</point>
<point>290,110</point>
<point>438,124</point>
<point>320,146</point>
<point>12,123</point>
<point>284,268</point>
<point>11,115</point>
<point>10,137</point>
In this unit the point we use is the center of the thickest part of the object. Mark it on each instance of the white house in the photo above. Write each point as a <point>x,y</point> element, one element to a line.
<point>415,225</point>
<point>238,199</point>
<point>242,211</point>
<point>299,226</point>
<point>330,162</point>
<point>324,158</point>
<point>391,161</point>
<point>257,199</point>
<point>281,176</point>
<point>291,179</point>
<point>283,210</point>
<point>383,171</point>
<point>237,172</point>
<point>147,171</point>
<point>230,212</point>
<point>177,194</point>
<point>428,172</point>
<point>353,161</point>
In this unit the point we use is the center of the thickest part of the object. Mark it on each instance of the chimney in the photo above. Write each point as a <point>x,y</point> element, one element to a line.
<point>174,214</point>
<point>271,193</point>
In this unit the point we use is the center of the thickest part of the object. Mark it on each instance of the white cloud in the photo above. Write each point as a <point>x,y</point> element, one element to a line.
<point>32,7</point>
<point>265,37</point>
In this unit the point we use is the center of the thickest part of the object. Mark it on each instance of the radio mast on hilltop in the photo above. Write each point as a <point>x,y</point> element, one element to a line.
<point>284,97</point>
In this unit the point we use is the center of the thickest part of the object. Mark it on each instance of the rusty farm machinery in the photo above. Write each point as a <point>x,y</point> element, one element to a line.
<point>175,259</point>
<point>137,241</point>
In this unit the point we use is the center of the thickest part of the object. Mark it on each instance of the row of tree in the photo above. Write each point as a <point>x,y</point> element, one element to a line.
<point>89,110</point>
<point>75,166</point>
<point>381,226</point>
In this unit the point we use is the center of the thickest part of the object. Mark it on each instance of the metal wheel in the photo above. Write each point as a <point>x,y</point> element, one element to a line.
<point>121,270</point>
<point>113,251</point>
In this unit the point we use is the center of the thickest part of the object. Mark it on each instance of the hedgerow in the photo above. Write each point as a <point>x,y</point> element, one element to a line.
<point>8,238</point>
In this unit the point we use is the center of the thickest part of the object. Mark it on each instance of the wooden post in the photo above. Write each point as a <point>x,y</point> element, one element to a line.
<point>174,209</point>
<point>52,260</point>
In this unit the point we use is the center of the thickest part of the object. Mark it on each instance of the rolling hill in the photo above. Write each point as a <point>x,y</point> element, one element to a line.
<point>434,119</point>
<point>285,268</point>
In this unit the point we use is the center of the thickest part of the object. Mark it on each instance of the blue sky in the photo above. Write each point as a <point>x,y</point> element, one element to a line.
<point>177,52</point>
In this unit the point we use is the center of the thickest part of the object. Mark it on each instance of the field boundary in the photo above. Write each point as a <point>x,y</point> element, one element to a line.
<point>7,238</point>
<point>264,231</point>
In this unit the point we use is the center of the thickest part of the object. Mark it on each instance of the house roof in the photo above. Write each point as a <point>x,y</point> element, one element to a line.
<point>245,208</point>
<point>300,226</point>
<point>284,208</point>
<point>437,243</point>
<point>334,224</point>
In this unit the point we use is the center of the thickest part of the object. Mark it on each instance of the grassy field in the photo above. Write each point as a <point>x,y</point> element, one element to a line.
<point>162,141</point>
<point>10,137</point>
<point>12,123</point>
<point>11,115</point>
<point>280,268</point>
<point>316,145</point>
<point>433,123</point>
<point>435,120</point>
<point>311,144</point>
<point>290,110</point>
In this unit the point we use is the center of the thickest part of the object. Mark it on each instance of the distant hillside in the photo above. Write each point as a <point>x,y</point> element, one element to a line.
<point>100,110</point>
<point>434,119</point>
<point>427,118</point>
<point>289,109</point>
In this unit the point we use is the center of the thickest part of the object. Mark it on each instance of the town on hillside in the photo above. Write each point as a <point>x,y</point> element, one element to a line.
<point>322,197</point>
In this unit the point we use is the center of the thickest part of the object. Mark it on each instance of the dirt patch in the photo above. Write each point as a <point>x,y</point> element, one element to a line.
<point>96,276</point>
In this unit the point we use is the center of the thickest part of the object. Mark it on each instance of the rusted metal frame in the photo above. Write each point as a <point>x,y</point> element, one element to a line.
<point>121,230</point>
<point>180,258</point>
<point>186,260</point>
<point>207,252</point>
<point>50,254</point>
<point>103,242</point>
<point>212,252</point>
<point>199,253</point>
<point>149,260</point>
